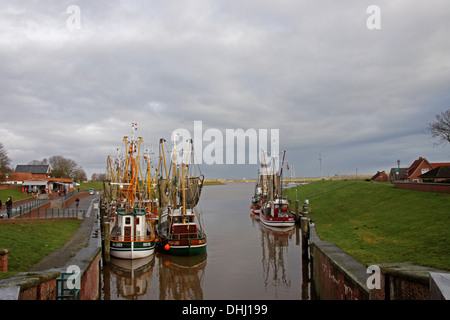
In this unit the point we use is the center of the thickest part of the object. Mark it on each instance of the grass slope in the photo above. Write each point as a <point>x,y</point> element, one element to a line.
<point>14,194</point>
<point>30,242</point>
<point>376,222</point>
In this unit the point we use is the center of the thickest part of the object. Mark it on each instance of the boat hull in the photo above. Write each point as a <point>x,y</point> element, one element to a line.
<point>131,249</point>
<point>185,247</point>
<point>277,222</point>
<point>186,250</point>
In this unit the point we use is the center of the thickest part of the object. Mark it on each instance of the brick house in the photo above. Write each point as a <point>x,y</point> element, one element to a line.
<point>34,171</point>
<point>396,174</point>
<point>439,174</point>
<point>417,168</point>
<point>36,178</point>
<point>380,176</point>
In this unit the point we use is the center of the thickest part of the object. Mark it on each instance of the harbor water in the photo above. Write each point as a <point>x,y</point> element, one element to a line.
<point>244,259</point>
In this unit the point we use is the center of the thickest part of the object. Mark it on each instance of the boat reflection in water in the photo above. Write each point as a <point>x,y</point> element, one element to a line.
<point>245,259</point>
<point>178,278</point>
<point>181,278</point>
<point>275,247</point>
<point>131,278</point>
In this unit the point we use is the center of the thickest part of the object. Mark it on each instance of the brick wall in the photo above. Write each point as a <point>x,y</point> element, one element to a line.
<point>428,187</point>
<point>331,277</point>
<point>3,261</point>
<point>337,276</point>
<point>90,282</point>
<point>39,287</point>
<point>403,281</point>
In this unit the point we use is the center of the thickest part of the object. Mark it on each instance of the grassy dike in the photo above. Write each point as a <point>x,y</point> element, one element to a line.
<point>376,223</point>
<point>30,242</point>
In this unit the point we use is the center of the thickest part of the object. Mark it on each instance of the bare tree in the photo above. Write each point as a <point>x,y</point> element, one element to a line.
<point>79,175</point>
<point>4,163</point>
<point>62,167</point>
<point>39,162</point>
<point>440,128</point>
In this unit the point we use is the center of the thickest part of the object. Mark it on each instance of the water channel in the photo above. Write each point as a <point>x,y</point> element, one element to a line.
<point>244,259</point>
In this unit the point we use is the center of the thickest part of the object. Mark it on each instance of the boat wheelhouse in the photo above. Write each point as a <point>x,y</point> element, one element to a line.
<point>183,236</point>
<point>276,213</point>
<point>132,235</point>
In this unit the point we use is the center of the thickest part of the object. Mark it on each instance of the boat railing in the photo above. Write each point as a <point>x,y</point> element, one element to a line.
<point>132,238</point>
<point>188,235</point>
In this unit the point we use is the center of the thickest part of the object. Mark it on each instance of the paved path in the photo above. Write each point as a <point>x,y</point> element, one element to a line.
<point>83,237</point>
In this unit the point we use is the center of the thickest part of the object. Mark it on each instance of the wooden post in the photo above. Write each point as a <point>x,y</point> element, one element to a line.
<point>305,230</point>
<point>297,213</point>
<point>106,244</point>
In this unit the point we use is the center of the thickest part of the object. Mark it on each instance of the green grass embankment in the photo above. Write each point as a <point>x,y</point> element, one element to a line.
<point>376,223</point>
<point>30,242</point>
<point>97,185</point>
<point>14,194</point>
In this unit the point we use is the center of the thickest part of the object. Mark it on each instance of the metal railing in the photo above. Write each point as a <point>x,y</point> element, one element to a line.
<point>19,212</point>
<point>132,238</point>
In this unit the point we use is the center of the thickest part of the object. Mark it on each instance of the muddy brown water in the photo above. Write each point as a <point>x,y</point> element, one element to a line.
<point>244,259</point>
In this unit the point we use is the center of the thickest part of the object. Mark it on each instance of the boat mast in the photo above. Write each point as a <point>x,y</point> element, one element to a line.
<point>183,183</point>
<point>281,175</point>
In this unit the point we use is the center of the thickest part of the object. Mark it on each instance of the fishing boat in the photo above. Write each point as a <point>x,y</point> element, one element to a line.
<point>179,229</point>
<point>260,194</point>
<point>131,231</point>
<point>256,199</point>
<point>276,213</point>
<point>275,210</point>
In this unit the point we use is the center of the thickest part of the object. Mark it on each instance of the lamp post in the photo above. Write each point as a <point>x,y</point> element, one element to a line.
<point>398,168</point>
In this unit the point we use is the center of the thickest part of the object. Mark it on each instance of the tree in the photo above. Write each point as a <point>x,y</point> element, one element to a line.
<point>39,162</point>
<point>62,167</point>
<point>79,175</point>
<point>440,128</point>
<point>98,177</point>
<point>4,163</point>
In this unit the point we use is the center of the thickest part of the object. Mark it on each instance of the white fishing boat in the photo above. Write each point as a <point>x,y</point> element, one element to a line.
<point>131,229</point>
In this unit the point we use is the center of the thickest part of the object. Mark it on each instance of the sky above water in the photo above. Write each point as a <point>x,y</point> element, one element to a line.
<point>353,87</point>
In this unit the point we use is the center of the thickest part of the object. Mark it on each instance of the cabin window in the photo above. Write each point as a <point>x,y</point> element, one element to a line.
<point>137,220</point>
<point>127,220</point>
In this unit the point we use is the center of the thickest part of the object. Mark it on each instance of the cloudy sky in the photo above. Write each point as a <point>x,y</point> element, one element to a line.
<point>72,82</point>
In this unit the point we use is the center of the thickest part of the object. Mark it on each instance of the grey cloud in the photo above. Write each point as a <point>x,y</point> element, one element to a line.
<point>310,69</point>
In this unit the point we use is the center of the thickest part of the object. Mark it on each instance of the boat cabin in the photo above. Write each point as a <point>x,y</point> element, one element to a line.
<point>131,225</point>
<point>184,226</point>
<point>280,208</point>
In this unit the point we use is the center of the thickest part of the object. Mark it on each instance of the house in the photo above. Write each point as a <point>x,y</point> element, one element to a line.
<point>417,168</point>
<point>36,171</point>
<point>36,178</point>
<point>380,176</point>
<point>438,174</point>
<point>396,174</point>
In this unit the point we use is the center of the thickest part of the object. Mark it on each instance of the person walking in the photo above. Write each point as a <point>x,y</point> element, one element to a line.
<point>9,207</point>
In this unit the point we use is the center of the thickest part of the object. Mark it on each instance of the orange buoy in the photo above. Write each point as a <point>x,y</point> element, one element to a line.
<point>167,247</point>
